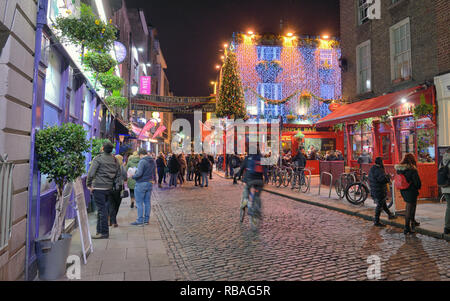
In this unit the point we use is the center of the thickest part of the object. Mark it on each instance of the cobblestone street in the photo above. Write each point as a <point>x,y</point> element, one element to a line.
<point>296,241</point>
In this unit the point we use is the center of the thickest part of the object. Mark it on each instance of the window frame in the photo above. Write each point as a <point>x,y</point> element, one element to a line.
<point>362,7</point>
<point>392,43</point>
<point>362,87</point>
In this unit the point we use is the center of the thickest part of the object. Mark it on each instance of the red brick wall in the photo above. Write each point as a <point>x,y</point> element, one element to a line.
<point>443,33</point>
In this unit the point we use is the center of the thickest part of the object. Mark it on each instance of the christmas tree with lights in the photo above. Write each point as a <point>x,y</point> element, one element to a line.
<point>230,100</point>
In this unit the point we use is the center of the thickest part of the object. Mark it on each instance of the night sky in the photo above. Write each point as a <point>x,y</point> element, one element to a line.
<point>192,32</point>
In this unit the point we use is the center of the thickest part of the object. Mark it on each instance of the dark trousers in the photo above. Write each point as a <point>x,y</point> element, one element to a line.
<point>160,175</point>
<point>410,215</point>
<point>198,177</point>
<point>381,206</point>
<point>101,198</point>
<point>114,204</point>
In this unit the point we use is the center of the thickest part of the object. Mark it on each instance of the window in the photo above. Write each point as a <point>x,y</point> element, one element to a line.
<point>418,134</point>
<point>361,140</point>
<point>400,41</point>
<point>363,6</point>
<point>326,58</point>
<point>53,79</point>
<point>270,91</point>
<point>269,53</point>
<point>87,108</point>
<point>363,67</point>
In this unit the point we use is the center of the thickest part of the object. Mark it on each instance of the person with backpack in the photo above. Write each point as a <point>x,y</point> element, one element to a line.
<point>444,183</point>
<point>408,181</point>
<point>253,177</point>
<point>378,180</point>
<point>205,165</point>
<point>133,162</point>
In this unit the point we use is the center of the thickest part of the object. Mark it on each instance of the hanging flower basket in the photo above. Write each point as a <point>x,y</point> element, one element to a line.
<point>299,135</point>
<point>99,62</point>
<point>291,117</point>
<point>111,82</point>
<point>86,31</point>
<point>117,101</point>
<point>423,110</point>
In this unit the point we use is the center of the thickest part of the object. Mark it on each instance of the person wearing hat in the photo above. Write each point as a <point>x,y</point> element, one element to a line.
<point>378,180</point>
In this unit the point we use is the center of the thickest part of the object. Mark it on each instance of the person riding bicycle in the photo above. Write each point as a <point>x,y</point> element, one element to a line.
<point>299,162</point>
<point>378,179</point>
<point>253,177</point>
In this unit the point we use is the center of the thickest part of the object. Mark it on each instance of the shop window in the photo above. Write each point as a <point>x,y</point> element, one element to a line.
<point>361,141</point>
<point>418,138</point>
<point>53,79</point>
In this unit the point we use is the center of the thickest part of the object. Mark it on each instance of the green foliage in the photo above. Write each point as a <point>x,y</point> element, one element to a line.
<point>87,31</point>
<point>110,81</point>
<point>60,151</point>
<point>386,118</point>
<point>96,145</point>
<point>117,101</point>
<point>99,62</point>
<point>230,100</point>
<point>364,123</point>
<point>424,109</point>
<point>299,135</point>
<point>338,127</point>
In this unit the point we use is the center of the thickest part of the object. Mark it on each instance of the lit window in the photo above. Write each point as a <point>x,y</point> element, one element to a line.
<point>326,58</point>
<point>363,66</point>
<point>271,91</point>
<point>269,53</point>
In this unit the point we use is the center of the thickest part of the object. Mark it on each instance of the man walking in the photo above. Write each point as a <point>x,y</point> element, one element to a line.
<point>145,176</point>
<point>103,174</point>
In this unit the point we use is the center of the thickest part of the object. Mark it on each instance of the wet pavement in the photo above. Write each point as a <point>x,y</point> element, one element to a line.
<point>296,241</point>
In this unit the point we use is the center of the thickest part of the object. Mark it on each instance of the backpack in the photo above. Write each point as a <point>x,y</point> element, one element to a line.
<point>401,182</point>
<point>443,179</point>
<point>255,165</point>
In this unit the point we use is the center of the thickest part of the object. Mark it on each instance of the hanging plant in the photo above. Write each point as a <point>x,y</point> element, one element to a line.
<point>423,110</point>
<point>86,31</point>
<point>305,99</point>
<point>99,62</point>
<point>117,101</point>
<point>386,118</point>
<point>364,123</point>
<point>291,117</point>
<point>111,82</point>
<point>299,135</point>
<point>338,127</point>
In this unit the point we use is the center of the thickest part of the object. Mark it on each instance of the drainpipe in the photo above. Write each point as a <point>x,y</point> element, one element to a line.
<point>40,22</point>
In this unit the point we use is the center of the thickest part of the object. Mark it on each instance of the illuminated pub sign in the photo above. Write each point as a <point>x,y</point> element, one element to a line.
<point>145,86</point>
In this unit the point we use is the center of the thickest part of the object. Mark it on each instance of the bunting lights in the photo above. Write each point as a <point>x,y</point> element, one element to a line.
<point>288,75</point>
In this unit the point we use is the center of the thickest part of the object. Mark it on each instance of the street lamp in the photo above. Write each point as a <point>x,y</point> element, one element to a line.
<point>140,49</point>
<point>217,67</point>
<point>148,65</point>
<point>134,89</point>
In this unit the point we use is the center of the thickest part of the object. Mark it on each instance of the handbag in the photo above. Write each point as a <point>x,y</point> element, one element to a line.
<point>124,194</point>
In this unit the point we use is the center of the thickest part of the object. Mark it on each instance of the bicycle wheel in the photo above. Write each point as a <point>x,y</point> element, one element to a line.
<point>338,188</point>
<point>356,193</point>
<point>280,179</point>
<point>305,182</point>
<point>287,179</point>
<point>254,223</point>
<point>242,214</point>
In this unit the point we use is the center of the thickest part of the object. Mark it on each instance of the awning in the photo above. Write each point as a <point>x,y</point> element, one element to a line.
<point>373,107</point>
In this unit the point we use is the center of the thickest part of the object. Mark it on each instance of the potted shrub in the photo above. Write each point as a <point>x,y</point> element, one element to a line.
<point>60,155</point>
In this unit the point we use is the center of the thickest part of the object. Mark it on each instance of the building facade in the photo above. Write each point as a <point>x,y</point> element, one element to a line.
<point>390,60</point>
<point>292,77</point>
<point>18,22</point>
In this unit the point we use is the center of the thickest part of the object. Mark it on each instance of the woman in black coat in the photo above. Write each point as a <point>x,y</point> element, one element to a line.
<point>378,179</point>
<point>174,168</point>
<point>408,168</point>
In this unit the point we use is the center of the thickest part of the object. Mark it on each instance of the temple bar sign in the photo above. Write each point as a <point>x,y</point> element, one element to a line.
<point>173,104</point>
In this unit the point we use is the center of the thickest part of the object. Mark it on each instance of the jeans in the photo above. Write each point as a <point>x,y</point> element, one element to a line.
<point>173,179</point>
<point>197,178</point>
<point>101,198</point>
<point>160,175</point>
<point>447,211</point>
<point>254,207</point>
<point>204,178</point>
<point>143,191</point>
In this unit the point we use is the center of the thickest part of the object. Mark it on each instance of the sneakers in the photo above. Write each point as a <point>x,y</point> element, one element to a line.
<point>100,236</point>
<point>146,223</point>
<point>137,224</point>
<point>416,223</point>
<point>132,205</point>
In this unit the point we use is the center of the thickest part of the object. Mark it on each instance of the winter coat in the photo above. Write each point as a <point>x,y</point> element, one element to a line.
<point>160,163</point>
<point>103,172</point>
<point>248,174</point>
<point>182,161</point>
<point>146,170</point>
<point>133,161</point>
<point>377,181</point>
<point>412,176</point>
<point>445,160</point>
<point>173,165</point>
<point>299,160</point>
<point>205,165</point>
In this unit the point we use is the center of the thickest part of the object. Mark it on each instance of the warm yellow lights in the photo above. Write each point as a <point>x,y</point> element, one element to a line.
<point>250,32</point>
<point>289,41</point>
<point>325,44</point>
<point>289,34</point>
<point>222,57</point>
<point>325,37</point>
<point>217,66</point>
<point>225,45</point>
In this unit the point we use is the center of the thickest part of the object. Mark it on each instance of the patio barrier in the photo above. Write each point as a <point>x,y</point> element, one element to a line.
<point>320,183</point>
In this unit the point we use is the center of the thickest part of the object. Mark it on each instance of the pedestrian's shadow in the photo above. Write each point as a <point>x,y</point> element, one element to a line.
<point>412,258</point>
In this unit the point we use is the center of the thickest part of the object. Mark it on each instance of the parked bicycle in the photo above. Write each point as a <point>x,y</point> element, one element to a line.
<point>300,180</point>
